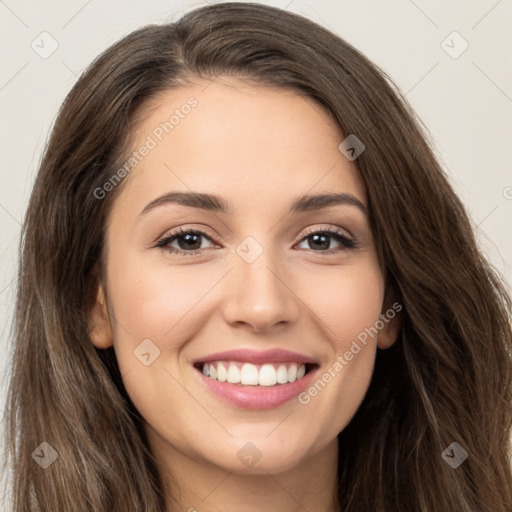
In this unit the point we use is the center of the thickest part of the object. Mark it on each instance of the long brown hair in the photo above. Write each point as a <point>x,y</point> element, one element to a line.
<point>446,379</point>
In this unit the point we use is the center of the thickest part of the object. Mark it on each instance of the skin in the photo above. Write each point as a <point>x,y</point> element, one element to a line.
<point>258,148</point>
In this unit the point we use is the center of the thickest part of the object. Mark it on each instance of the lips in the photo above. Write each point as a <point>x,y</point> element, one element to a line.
<point>258,357</point>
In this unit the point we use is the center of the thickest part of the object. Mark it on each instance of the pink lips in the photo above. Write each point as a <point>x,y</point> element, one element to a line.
<point>257,397</point>
<point>257,357</point>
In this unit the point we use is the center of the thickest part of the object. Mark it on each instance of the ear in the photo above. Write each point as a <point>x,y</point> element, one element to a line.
<point>100,330</point>
<point>391,317</point>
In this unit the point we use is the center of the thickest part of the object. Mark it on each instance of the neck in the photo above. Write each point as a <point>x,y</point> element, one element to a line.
<point>195,485</point>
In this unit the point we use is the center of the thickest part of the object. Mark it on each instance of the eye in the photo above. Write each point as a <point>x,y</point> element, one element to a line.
<point>322,238</point>
<point>189,241</point>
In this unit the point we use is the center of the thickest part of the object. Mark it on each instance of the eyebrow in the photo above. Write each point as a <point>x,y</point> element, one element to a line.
<point>214,203</point>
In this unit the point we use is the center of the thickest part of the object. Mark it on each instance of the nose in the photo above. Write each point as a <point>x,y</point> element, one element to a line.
<point>260,295</point>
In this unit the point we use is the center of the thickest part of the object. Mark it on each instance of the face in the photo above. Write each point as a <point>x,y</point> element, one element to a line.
<point>203,292</point>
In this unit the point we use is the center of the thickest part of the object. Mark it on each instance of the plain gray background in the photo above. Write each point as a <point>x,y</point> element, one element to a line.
<point>463,97</point>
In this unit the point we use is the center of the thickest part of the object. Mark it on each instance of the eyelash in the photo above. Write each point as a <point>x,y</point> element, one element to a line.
<point>339,236</point>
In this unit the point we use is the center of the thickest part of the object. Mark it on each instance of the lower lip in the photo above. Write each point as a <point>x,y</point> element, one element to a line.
<point>257,397</point>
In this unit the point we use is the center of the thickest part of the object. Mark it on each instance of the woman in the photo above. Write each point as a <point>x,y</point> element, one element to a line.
<point>332,339</point>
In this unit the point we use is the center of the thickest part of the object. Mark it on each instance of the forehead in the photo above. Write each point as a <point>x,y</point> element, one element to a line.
<point>235,139</point>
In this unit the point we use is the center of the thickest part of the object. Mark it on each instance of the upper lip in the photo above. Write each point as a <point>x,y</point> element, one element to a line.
<point>257,357</point>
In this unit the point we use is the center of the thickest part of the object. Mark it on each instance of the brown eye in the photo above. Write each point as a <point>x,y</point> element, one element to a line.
<point>188,241</point>
<point>320,241</point>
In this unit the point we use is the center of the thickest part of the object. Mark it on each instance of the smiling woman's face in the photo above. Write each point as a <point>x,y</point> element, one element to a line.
<point>253,276</point>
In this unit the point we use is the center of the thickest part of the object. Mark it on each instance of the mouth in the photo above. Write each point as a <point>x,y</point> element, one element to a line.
<point>266,375</point>
<point>246,379</point>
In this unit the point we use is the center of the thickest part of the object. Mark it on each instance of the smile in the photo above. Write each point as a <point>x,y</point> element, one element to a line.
<point>248,374</point>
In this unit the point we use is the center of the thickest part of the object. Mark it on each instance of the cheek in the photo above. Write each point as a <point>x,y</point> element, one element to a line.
<point>152,302</point>
<point>347,301</point>
<point>359,307</point>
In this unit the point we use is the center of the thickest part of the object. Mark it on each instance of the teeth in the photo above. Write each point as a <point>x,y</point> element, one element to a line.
<point>248,374</point>
<point>268,375</point>
<point>233,374</point>
<point>282,374</point>
<point>222,373</point>
<point>292,373</point>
